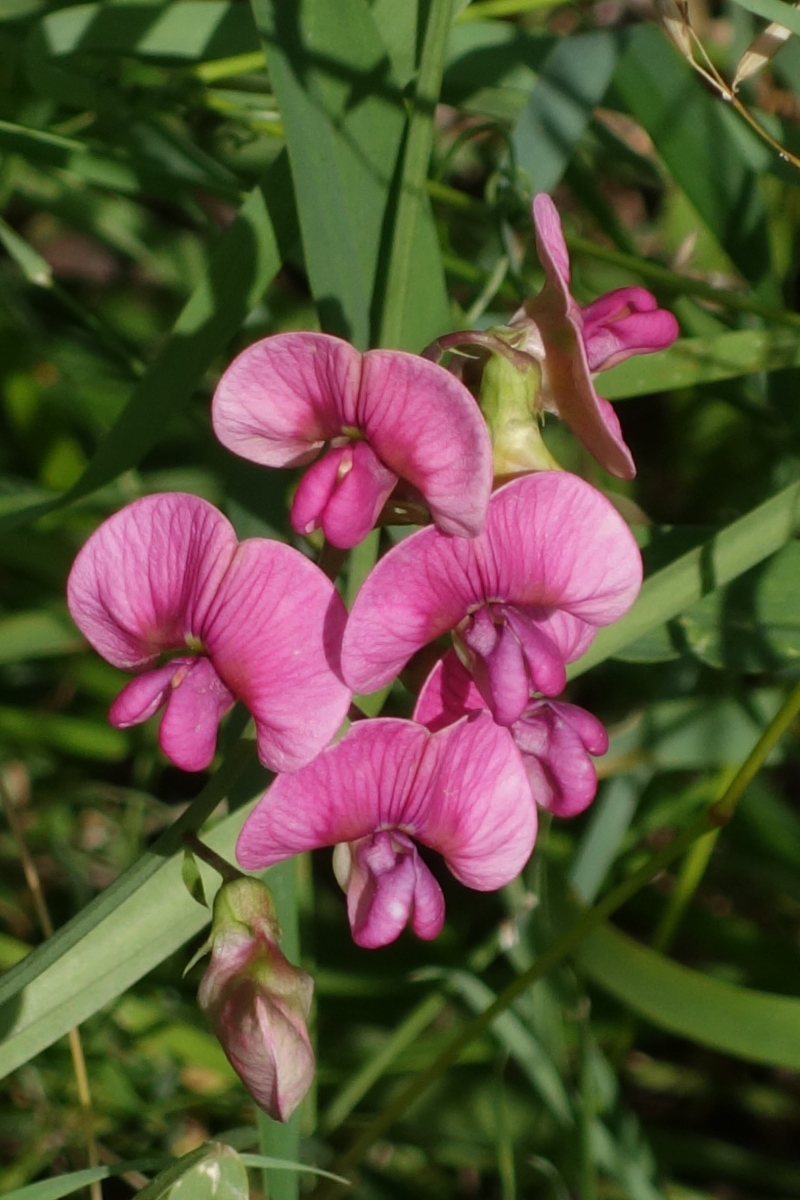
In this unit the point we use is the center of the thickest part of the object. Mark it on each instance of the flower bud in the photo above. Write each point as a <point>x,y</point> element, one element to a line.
<point>255,1000</point>
<point>510,400</point>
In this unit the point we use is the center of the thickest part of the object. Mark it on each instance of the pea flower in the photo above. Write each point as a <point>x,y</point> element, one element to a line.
<point>384,415</point>
<point>556,740</point>
<point>256,1002</point>
<point>571,342</point>
<point>164,588</point>
<point>462,791</point>
<point>554,561</point>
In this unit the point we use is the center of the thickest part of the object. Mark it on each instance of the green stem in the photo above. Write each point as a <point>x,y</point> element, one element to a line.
<point>415,171</point>
<point>681,284</point>
<point>716,815</point>
<point>227,871</point>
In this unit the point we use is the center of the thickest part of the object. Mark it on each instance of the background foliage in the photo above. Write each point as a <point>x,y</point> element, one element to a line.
<point>178,179</point>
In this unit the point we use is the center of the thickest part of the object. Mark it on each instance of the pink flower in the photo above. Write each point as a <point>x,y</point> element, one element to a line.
<point>385,415</point>
<point>254,621</point>
<point>256,1002</point>
<point>555,739</point>
<point>572,342</point>
<point>462,792</point>
<point>554,561</point>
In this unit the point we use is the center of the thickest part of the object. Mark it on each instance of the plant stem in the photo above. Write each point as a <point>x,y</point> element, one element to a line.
<point>415,171</point>
<point>718,814</point>
<point>221,865</point>
<point>680,284</point>
<point>43,914</point>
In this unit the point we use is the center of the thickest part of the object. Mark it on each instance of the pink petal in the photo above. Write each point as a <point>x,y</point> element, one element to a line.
<point>144,580</point>
<point>550,542</point>
<point>462,791</point>
<point>566,374</point>
<point>197,703</point>
<point>388,884</point>
<point>143,696</point>
<point>502,677</point>
<point>344,492</point>
<point>267,1044</point>
<point>447,694</point>
<point>552,248</point>
<point>356,503</point>
<point>425,426</point>
<point>561,773</point>
<point>282,397</point>
<point>625,322</point>
<point>476,809</point>
<point>273,635</point>
<point>351,789</point>
<point>544,659</point>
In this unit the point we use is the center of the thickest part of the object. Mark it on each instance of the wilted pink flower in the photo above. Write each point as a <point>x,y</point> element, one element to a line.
<point>385,415</point>
<point>256,1002</point>
<point>572,342</point>
<point>254,621</point>
<point>556,740</point>
<point>555,561</point>
<point>462,792</point>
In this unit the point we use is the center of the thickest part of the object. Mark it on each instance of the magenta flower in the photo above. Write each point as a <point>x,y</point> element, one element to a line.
<point>555,561</point>
<point>384,415</point>
<point>254,621</point>
<point>462,792</point>
<point>555,739</point>
<point>572,342</point>
<point>256,1002</point>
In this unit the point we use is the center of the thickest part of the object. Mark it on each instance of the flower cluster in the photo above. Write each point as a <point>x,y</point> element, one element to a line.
<point>520,578</point>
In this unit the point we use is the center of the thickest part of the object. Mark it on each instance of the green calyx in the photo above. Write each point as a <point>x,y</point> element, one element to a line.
<point>245,903</point>
<point>509,399</point>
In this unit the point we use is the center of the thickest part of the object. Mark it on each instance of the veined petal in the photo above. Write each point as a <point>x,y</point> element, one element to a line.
<point>463,792</point>
<point>197,702</point>
<point>285,395</point>
<point>426,427</point>
<point>476,807</point>
<point>551,542</point>
<point>447,694</point>
<point>273,634</point>
<point>144,580</point>
<point>566,373</point>
<point>350,790</point>
<point>143,696</point>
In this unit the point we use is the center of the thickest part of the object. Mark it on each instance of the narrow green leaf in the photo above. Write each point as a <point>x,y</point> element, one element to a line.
<point>188,29</point>
<point>343,118</point>
<point>702,360</point>
<point>283,1164</point>
<point>727,554</point>
<point>412,202</point>
<point>774,10</point>
<point>756,1026</point>
<point>61,1185</point>
<point>572,82</point>
<point>243,262</point>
